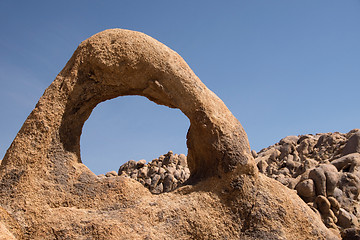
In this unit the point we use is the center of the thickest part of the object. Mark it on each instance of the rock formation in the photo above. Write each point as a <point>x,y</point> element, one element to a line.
<point>162,174</point>
<point>47,193</point>
<point>325,174</point>
<point>324,169</point>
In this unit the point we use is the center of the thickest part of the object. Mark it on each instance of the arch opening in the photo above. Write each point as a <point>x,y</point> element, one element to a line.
<point>130,128</point>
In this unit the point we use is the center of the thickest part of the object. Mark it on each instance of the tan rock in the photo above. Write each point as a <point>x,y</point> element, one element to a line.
<point>51,194</point>
<point>323,204</point>
<point>5,234</point>
<point>182,160</point>
<point>111,174</point>
<point>306,188</point>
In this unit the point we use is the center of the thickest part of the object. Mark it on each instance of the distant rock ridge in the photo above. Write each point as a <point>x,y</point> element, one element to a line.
<point>324,170</point>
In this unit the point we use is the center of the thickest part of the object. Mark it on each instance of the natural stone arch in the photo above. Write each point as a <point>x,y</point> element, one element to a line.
<point>116,63</point>
<point>46,193</point>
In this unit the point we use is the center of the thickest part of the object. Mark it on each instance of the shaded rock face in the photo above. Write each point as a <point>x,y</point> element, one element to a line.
<point>47,193</point>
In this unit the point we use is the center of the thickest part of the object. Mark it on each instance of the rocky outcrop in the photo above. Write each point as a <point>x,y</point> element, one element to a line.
<point>47,193</point>
<point>324,169</point>
<point>162,174</point>
<point>326,175</point>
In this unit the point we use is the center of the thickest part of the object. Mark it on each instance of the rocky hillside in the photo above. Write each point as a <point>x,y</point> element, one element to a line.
<point>324,170</point>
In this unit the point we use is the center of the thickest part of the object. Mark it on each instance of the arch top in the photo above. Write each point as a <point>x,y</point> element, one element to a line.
<point>120,62</point>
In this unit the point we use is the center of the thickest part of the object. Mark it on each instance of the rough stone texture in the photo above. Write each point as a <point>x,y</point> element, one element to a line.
<point>353,145</point>
<point>343,193</point>
<point>351,234</point>
<point>325,177</point>
<point>306,188</point>
<point>47,193</point>
<point>162,174</point>
<point>308,161</point>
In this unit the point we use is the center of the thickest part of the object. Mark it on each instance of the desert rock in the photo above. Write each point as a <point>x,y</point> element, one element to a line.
<point>326,170</point>
<point>47,193</point>
<point>353,145</point>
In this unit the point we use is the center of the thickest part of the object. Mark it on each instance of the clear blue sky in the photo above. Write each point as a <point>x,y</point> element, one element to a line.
<point>282,67</point>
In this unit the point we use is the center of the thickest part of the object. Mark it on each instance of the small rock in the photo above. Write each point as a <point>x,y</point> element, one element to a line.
<point>335,205</point>
<point>154,181</point>
<point>143,172</point>
<point>134,175</point>
<point>158,189</point>
<point>353,144</point>
<point>153,170</point>
<point>168,182</point>
<point>293,182</point>
<point>173,159</point>
<point>289,140</point>
<point>338,193</point>
<point>285,150</point>
<point>310,163</point>
<point>254,154</point>
<point>182,160</point>
<point>101,176</point>
<point>291,164</point>
<point>349,183</point>
<point>111,174</point>
<point>274,154</point>
<point>329,219</point>
<point>283,179</point>
<point>170,170</point>
<point>306,188</point>
<point>322,204</point>
<point>140,163</point>
<point>346,219</point>
<point>147,182</point>
<point>177,174</point>
<point>162,170</point>
<point>127,167</point>
<point>351,234</point>
<point>303,137</point>
<point>285,171</point>
<point>348,163</point>
<point>183,175</point>
<point>325,178</point>
<point>262,165</point>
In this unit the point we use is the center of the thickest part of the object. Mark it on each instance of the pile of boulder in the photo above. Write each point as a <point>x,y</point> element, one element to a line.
<point>323,168</point>
<point>162,174</point>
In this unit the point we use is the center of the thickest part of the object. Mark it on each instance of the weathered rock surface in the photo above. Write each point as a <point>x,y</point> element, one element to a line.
<point>162,174</point>
<point>337,179</point>
<point>47,193</point>
<point>324,169</point>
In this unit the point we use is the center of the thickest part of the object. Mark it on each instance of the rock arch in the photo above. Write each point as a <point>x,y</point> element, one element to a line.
<point>116,63</point>
<point>47,193</point>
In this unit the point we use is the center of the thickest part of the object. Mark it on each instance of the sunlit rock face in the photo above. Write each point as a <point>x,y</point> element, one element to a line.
<point>47,193</point>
